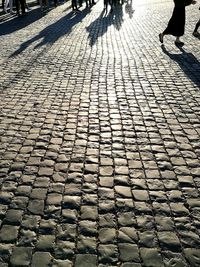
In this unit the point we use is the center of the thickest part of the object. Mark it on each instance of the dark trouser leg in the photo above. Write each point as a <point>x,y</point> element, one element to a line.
<point>74,5</point>
<point>88,2</point>
<point>17,6</point>
<point>22,3</point>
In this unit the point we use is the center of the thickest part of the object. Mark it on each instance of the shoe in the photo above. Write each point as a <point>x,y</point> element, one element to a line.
<point>161,38</point>
<point>196,34</point>
<point>179,43</point>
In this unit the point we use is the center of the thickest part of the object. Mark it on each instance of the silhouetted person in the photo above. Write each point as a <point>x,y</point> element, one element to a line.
<point>74,5</point>
<point>176,25</point>
<point>129,8</point>
<point>20,4</point>
<point>3,1</point>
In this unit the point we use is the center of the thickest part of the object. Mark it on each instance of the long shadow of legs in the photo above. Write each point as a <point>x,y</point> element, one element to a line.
<point>99,26</point>
<point>54,31</point>
<point>118,16</point>
<point>188,63</point>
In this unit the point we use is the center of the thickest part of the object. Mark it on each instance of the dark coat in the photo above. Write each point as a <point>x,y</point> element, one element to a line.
<point>182,3</point>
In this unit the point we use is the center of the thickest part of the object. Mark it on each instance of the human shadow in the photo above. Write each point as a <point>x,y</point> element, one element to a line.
<point>53,32</point>
<point>18,23</point>
<point>129,8</point>
<point>188,63</point>
<point>99,26</point>
<point>118,16</point>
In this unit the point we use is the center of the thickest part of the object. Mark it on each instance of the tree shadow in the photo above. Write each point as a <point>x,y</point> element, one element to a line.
<point>188,63</point>
<point>54,31</point>
<point>18,23</point>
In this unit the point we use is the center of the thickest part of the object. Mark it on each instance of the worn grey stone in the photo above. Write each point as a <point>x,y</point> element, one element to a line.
<point>108,253</point>
<point>129,252</point>
<point>42,259</point>
<point>85,260</point>
<point>21,256</point>
<point>151,257</point>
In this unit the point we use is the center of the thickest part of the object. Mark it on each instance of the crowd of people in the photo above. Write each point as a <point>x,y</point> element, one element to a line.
<point>21,7</point>
<point>175,27</point>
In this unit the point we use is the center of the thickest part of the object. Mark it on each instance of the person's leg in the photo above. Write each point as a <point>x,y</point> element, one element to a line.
<point>11,6</point>
<point>41,4</point>
<point>6,3</point>
<point>17,7</point>
<point>176,24</point>
<point>23,4</point>
<point>88,3</point>
<point>74,5</point>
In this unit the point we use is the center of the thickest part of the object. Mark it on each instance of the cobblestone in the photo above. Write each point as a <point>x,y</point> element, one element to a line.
<point>100,130</point>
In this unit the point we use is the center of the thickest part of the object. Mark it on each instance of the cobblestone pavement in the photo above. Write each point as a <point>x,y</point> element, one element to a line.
<point>100,139</point>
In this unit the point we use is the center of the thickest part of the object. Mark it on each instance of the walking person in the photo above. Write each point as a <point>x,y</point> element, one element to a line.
<point>74,6</point>
<point>20,4</point>
<point>8,3</point>
<point>195,32</point>
<point>176,25</point>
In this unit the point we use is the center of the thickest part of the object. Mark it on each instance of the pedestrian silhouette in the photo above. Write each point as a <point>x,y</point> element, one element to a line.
<point>176,25</point>
<point>20,6</point>
<point>74,5</point>
<point>129,8</point>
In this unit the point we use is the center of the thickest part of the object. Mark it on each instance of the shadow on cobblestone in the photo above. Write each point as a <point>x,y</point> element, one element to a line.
<point>197,37</point>
<point>118,17</point>
<point>18,23</point>
<point>94,29</point>
<point>54,31</point>
<point>129,8</point>
<point>100,26</point>
<point>188,63</point>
